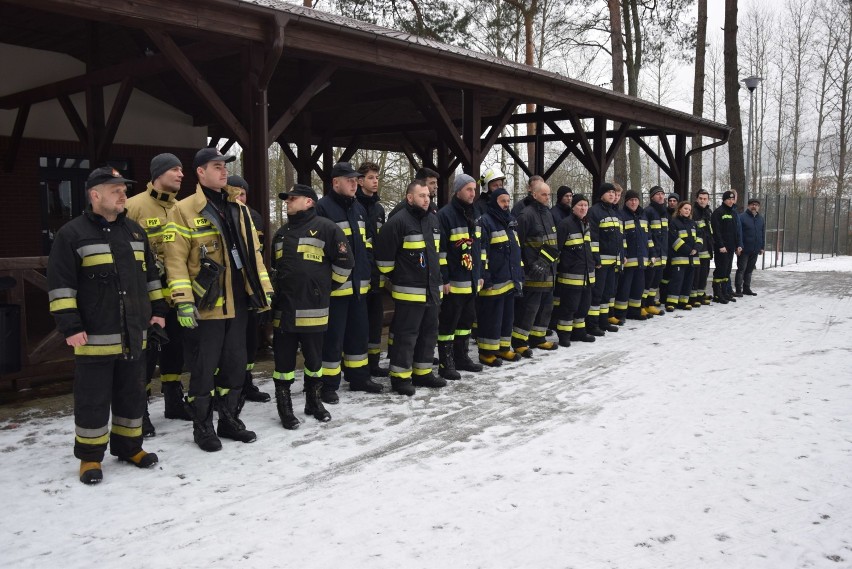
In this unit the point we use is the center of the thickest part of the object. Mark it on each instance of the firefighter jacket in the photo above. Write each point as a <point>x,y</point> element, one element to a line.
<point>726,228</point>
<point>658,225</point>
<point>375,219</point>
<point>683,239</point>
<point>102,280</point>
<point>502,270</point>
<point>560,212</point>
<point>701,217</point>
<point>521,206</point>
<point>461,256</point>
<point>351,217</point>
<point>196,230</point>
<point>259,226</point>
<point>576,267</point>
<point>753,229</point>
<point>606,230</point>
<point>311,257</point>
<point>407,252</point>
<point>537,233</point>
<point>150,209</point>
<point>637,240</point>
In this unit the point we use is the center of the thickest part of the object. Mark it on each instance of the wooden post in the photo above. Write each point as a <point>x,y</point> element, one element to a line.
<point>255,155</point>
<point>599,156</point>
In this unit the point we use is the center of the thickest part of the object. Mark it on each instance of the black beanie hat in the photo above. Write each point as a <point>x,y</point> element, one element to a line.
<point>162,163</point>
<point>560,193</point>
<point>656,190</point>
<point>577,199</point>
<point>630,194</point>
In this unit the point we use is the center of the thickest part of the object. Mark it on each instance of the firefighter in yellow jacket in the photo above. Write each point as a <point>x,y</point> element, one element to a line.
<point>216,274</point>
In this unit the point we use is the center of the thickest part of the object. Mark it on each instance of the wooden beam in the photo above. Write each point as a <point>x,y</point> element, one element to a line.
<point>472,126</point>
<point>558,162</point>
<point>617,141</point>
<point>433,108</point>
<point>227,146</point>
<point>321,78</point>
<point>497,128</point>
<point>425,157</point>
<point>654,156</point>
<point>198,84</point>
<point>214,142</point>
<point>273,51</point>
<point>582,138</point>
<point>115,115</point>
<point>667,148</point>
<point>17,135</point>
<point>74,118</point>
<point>351,149</point>
<point>521,164</point>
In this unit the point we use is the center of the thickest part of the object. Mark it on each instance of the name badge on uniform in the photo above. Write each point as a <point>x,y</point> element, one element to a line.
<point>152,222</point>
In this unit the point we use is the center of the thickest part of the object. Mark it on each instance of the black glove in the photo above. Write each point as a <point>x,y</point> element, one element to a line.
<point>206,287</point>
<point>156,335</point>
<point>539,271</point>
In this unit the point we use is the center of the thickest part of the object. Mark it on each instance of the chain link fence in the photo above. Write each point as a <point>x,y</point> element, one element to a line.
<point>800,229</point>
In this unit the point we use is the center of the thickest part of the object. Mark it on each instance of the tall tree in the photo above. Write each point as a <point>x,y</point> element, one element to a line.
<point>620,161</point>
<point>827,48</point>
<point>732,101</point>
<point>697,167</point>
<point>800,15</point>
<point>844,87</point>
<point>528,10</point>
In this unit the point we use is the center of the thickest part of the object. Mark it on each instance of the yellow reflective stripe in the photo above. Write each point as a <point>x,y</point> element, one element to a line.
<point>312,321</point>
<point>63,304</point>
<point>102,259</point>
<point>139,255</point>
<point>155,294</point>
<point>101,440</point>
<point>461,289</point>
<point>95,350</point>
<point>310,249</point>
<point>459,236</point>
<point>127,431</point>
<point>414,244</point>
<point>339,278</point>
<point>409,297</point>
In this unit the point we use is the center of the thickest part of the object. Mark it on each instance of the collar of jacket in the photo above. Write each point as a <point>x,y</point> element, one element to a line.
<point>165,199</point>
<point>417,212</point>
<point>301,217</point>
<point>660,208</point>
<point>567,208</point>
<point>499,214</point>
<point>466,209</point>
<point>344,201</point>
<point>365,199</point>
<point>754,215</point>
<point>628,211</point>
<point>538,205</point>
<point>580,220</point>
<point>101,220</point>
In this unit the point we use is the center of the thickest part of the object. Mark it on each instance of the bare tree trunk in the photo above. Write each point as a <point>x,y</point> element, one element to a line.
<point>528,14</point>
<point>823,61</point>
<point>732,102</point>
<point>696,172</point>
<point>844,88</point>
<point>802,18</point>
<point>634,52</point>
<point>620,160</point>
<point>779,151</point>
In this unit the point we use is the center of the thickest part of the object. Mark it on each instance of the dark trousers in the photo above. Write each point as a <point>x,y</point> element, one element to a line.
<point>252,331</point>
<point>495,315</point>
<point>699,278</point>
<point>724,263</point>
<point>602,293</point>
<point>653,276</point>
<point>458,311</point>
<point>375,318</point>
<point>170,356</point>
<point>414,329</point>
<point>532,314</point>
<point>345,338</point>
<point>286,344</point>
<point>98,387</point>
<point>631,287</point>
<point>745,267</point>
<point>217,344</point>
<point>574,303</point>
<point>680,284</point>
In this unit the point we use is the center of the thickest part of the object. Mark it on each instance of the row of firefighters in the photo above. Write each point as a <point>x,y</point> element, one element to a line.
<point>146,281</point>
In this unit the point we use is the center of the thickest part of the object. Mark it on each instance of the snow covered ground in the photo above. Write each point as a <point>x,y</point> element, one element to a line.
<point>716,438</point>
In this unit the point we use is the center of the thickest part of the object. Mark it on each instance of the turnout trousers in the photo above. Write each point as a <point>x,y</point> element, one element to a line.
<point>602,292</point>
<point>414,334</point>
<point>724,263</point>
<point>285,346</point>
<point>680,285</point>
<point>344,346</point>
<point>532,316</point>
<point>98,387</point>
<point>458,311</point>
<point>653,276</point>
<point>375,317</point>
<point>217,344</point>
<point>574,303</point>
<point>495,315</point>
<point>169,357</point>
<point>699,279</point>
<point>631,288</point>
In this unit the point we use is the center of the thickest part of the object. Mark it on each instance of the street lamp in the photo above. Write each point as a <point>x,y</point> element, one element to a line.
<point>751,84</point>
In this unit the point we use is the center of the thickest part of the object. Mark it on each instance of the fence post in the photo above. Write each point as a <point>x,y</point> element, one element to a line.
<point>777,229</point>
<point>824,223</point>
<point>813,222</point>
<point>798,224</point>
<point>784,237</point>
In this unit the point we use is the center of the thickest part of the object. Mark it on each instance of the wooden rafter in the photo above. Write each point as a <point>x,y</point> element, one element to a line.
<point>521,164</point>
<point>115,115</point>
<point>433,108</point>
<point>308,92</point>
<point>74,118</point>
<point>17,135</point>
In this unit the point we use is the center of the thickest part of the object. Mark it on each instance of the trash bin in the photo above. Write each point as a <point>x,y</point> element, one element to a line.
<point>10,338</point>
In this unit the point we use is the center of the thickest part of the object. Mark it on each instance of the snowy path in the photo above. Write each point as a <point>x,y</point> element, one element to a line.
<point>719,438</point>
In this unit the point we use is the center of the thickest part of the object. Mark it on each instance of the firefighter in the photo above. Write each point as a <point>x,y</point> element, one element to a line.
<point>407,252</point>
<point>658,226</point>
<point>104,290</point>
<point>607,247</point>
<point>537,234</point>
<point>684,244</point>
<point>150,209</point>
<point>502,280</point>
<point>701,214</point>
<point>563,207</point>
<point>216,274</point>
<point>368,196</point>
<point>460,260</point>
<point>492,179</point>
<point>726,238</point>
<point>254,322</point>
<point>631,282</point>
<point>348,327</point>
<point>528,199</point>
<point>575,274</point>
<point>671,204</point>
<point>311,258</point>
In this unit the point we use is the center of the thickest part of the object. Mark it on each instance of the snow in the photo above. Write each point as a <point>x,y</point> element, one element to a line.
<point>716,438</point>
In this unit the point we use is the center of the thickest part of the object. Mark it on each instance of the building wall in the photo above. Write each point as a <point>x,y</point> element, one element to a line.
<point>144,121</point>
<point>21,210</point>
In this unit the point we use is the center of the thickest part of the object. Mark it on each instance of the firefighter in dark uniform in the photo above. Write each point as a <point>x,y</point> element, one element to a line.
<point>726,239</point>
<point>575,274</point>
<point>631,281</point>
<point>348,327</point>
<point>407,252</point>
<point>539,251</point>
<point>460,273</point>
<point>491,180</point>
<point>684,244</point>
<point>502,280</point>
<point>311,257</point>
<point>150,209</point>
<point>658,227</point>
<point>368,196</point>
<point>104,291</point>
<point>701,214</point>
<point>255,320</point>
<point>216,275</point>
<point>607,247</point>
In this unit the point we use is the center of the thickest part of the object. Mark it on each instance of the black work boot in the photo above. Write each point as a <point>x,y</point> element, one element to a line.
<point>581,335</point>
<point>446,362</point>
<point>564,339</point>
<point>403,386</point>
<point>461,356</point>
<point>230,426</point>
<point>251,392</point>
<point>717,294</point>
<point>428,380</point>
<point>201,411</point>
<point>365,384</point>
<point>375,369</point>
<point>148,429</point>
<point>173,398</point>
<point>285,405</point>
<point>313,400</point>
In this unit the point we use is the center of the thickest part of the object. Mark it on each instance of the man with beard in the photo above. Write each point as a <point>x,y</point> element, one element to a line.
<point>658,226</point>
<point>607,247</point>
<point>631,283</point>
<point>701,214</point>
